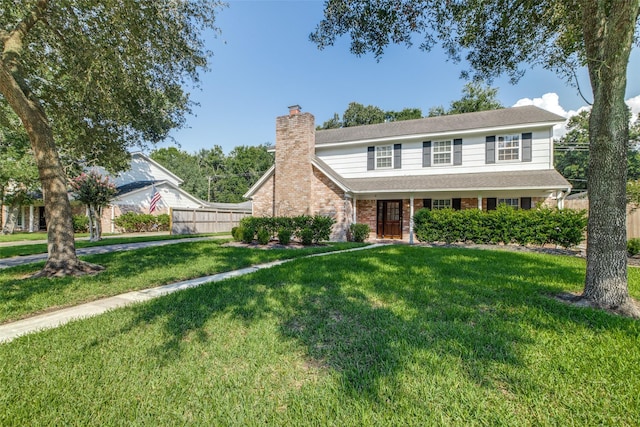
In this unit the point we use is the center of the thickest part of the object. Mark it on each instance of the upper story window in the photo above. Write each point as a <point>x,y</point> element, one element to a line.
<point>508,147</point>
<point>442,152</point>
<point>384,157</point>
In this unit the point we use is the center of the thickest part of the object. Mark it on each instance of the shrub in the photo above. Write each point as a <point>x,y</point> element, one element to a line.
<point>503,225</point>
<point>359,232</point>
<point>284,236</point>
<point>264,236</point>
<point>80,223</point>
<point>306,236</point>
<point>633,246</point>
<point>321,227</point>
<point>236,233</point>
<point>132,222</point>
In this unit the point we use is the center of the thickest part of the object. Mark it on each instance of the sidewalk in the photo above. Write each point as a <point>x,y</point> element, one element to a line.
<point>107,236</point>
<point>10,331</point>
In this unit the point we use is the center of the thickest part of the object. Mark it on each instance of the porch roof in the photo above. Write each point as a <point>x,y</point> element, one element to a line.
<point>514,180</point>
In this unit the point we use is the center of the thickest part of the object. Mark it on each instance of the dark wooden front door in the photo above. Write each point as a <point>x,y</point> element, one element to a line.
<point>389,219</point>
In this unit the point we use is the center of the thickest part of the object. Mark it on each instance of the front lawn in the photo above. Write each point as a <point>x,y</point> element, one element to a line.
<point>41,248</point>
<point>390,336</point>
<point>130,271</point>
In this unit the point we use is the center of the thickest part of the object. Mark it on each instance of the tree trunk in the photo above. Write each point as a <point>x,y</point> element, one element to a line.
<point>10,221</point>
<point>608,35</point>
<point>62,258</point>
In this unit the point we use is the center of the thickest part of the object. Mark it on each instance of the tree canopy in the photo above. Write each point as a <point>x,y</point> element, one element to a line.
<point>90,78</point>
<point>475,97</point>
<point>498,37</point>
<point>212,176</point>
<point>358,114</point>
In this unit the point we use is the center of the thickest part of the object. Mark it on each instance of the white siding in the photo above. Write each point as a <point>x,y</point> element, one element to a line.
<point>351,161</point>
<point>142,170</point>
<point>170,198</point>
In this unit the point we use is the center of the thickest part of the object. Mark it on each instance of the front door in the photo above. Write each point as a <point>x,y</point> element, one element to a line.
<point>42,221</point>
<point>389,219</point>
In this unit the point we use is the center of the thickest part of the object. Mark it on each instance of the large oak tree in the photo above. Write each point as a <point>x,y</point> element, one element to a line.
<point>499,36</point>
<point>90,78</point>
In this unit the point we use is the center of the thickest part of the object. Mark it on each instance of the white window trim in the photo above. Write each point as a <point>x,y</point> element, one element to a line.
<point>433,153</point>
<point>434,207</point>
<point>390,157</point>
<point>498,148</point>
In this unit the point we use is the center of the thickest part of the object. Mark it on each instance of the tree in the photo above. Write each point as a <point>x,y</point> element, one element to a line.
<point>96,192</point>
<point>405,114</point>
<point>571,157</point>
<point>475,97</point>
<point>357,115</point>
<point>18,174</point>
<point>496,37</point>
<point>90,78</point>
<point>184,165</point>
<point>244,165</point>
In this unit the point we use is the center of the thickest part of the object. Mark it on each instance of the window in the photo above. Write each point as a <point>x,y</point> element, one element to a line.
<point>384,157</point>
<point>440,203</point>
<point>442,152</point>
<point>509,147</point>
<point>514,203</point>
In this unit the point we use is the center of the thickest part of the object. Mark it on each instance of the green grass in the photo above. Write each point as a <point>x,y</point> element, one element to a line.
<point>392,336</point>
<point>129,271</point>
<point>40,248</point>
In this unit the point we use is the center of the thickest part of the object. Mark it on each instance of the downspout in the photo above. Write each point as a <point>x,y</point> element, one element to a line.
<point>411,219</point>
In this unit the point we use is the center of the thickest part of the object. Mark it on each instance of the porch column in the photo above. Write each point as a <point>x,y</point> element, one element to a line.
<point>479,202</point>
<point>411,219</point>
<point>355,203</point>
<point>31,218</point>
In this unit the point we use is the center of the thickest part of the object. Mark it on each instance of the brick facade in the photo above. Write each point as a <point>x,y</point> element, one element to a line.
<point>263,199</point>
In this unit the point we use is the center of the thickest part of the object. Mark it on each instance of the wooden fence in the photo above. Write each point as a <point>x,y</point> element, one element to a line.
<point>633,215</point>
<point>196,221</point>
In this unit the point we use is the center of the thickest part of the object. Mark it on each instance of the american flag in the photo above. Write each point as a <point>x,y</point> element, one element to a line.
<point>155,198</point>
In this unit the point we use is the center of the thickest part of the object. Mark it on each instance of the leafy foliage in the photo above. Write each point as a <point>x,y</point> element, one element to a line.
<point>212,176</point>
<point>357,114</point>
<point>132,222</point>
<point>571,152</point>
<point>633,246</point>
<point>93,189</point>
<point>503,225</point>
<point>475,97</point>
<point>309,229</point>
<point>359,232</point>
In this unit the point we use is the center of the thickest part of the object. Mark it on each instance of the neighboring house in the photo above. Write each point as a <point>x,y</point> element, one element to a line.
<point>381,174</point>
<point>135,187</point>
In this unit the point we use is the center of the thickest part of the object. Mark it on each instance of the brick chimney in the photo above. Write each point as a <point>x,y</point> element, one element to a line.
<point>295,145</point>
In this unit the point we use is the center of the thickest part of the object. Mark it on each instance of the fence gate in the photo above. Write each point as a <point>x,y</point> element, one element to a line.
<point>197,221</point>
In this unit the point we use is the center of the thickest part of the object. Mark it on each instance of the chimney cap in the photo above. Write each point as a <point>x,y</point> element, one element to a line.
<point>294,109</point>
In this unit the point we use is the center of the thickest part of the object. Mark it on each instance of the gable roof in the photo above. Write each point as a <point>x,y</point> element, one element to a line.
<point>526,115</point>
<point>156,164</point>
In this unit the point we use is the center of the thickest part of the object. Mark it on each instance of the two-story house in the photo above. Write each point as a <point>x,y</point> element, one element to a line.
<point>381,174</point>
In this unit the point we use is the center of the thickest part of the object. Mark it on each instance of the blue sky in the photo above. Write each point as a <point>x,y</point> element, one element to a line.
<point>263,62</point>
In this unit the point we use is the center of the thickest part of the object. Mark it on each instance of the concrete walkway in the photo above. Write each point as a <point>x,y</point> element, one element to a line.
<point>27,259</point>
<point>10,331</point>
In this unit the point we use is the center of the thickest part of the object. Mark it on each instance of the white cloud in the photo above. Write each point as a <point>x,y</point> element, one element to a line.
<point>634,104</point>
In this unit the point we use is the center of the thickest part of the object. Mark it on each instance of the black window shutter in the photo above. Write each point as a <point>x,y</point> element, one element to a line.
<point>457,151</point>
<point>490,149</point>
<point>456,204</point>
<point>492,203</point>
<point>426,154</point>
<point>371,158</point>
<point>397,156</point>
<point>426,203</point>
<point>526,147</point>
<point>525,203</point>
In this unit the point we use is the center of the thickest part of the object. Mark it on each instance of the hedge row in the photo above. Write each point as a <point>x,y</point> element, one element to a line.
<point>504,225</point>
<point>132,222</point>
<point>308,229</point>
